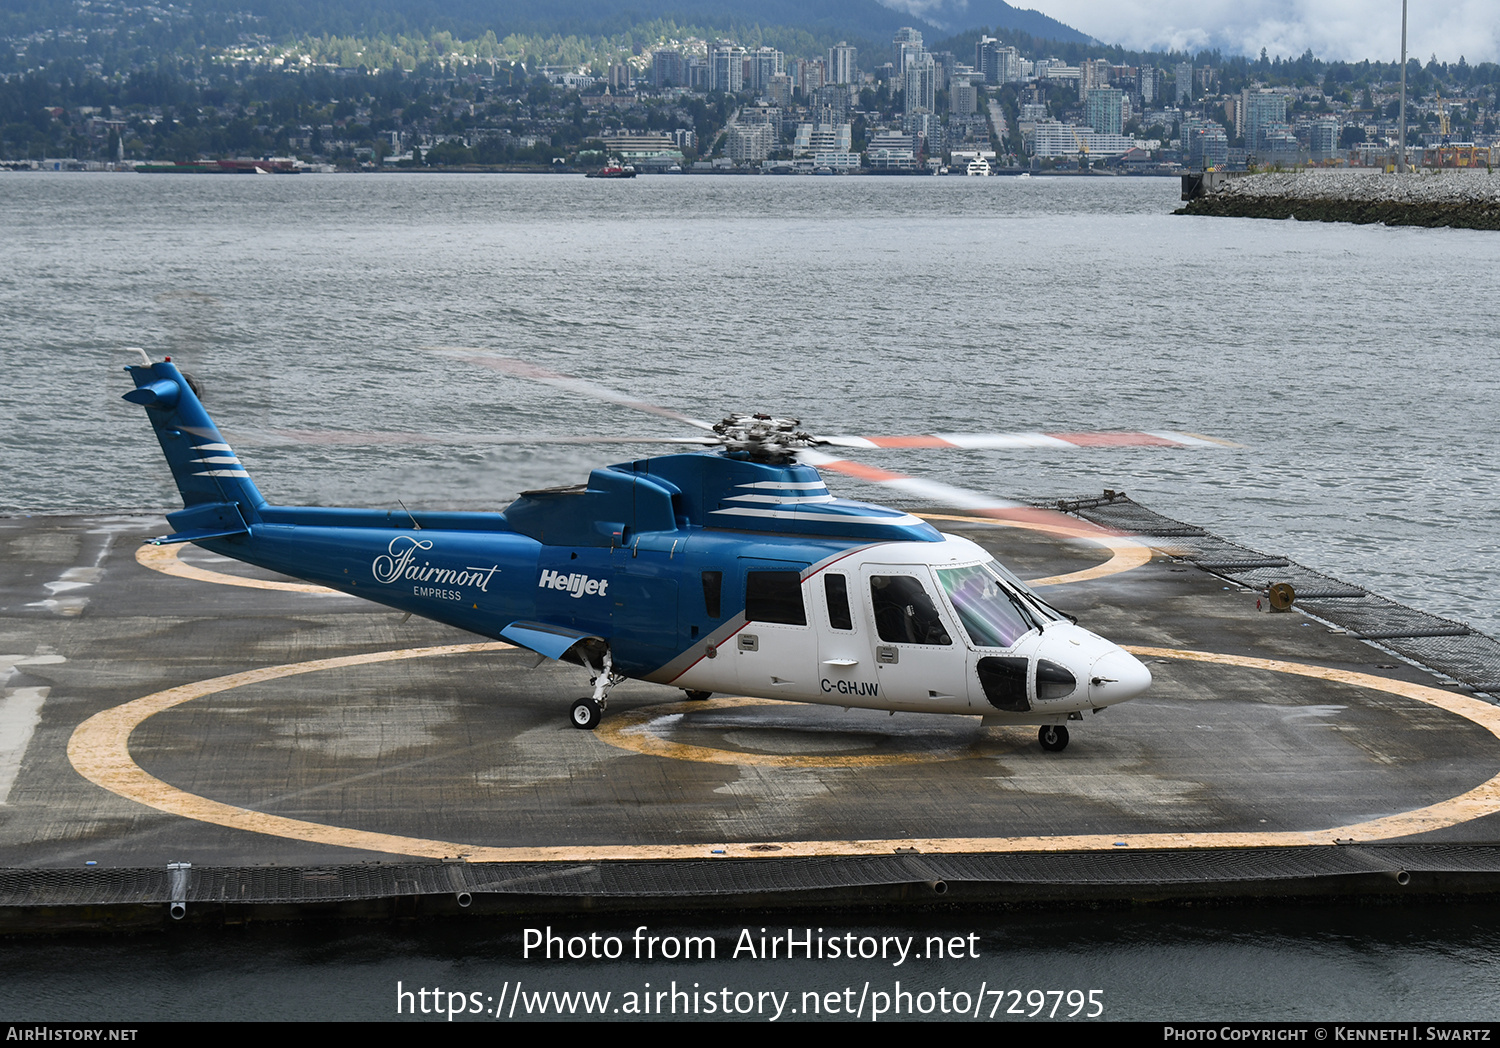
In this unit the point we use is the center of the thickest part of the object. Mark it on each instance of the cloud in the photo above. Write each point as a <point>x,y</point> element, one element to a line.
<point>1350,30</point>
<point>937,12</point>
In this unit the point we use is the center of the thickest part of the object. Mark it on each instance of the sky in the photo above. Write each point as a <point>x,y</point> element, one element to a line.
<point>1350,30</point>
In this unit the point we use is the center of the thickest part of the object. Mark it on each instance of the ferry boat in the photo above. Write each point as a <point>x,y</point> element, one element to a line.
<point>614,169</point>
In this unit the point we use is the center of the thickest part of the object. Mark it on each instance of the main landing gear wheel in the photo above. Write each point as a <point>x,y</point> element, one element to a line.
<point>1053,737</point>
<point>697,696</point>
<point>587,714</point>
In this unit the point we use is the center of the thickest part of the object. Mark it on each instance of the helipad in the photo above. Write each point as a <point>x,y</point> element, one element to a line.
<point>293,745</point>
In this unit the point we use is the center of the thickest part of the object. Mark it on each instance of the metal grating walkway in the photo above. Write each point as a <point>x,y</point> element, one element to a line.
<point>1444,646</point>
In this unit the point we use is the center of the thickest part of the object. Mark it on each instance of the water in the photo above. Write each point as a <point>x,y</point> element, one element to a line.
<point>1357,366</point>
<point>1281,962</point>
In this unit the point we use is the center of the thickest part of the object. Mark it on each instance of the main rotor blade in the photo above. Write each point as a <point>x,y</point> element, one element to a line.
<point>969,441</point>
<point>1146,439</point>
<point>535,373</point>
<point>279,437</point>
<point>938,493</point>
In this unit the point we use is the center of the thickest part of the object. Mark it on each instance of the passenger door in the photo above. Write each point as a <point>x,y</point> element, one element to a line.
<point>776,653</point>
<point>920,656</point>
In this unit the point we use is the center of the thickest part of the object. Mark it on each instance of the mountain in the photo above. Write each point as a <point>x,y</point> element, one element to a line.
<point>469,18</point>
<point>867,19</point>
<point>33,31</point>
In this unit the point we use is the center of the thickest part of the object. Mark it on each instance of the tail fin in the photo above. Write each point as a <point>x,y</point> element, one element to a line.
<point>217,493</point>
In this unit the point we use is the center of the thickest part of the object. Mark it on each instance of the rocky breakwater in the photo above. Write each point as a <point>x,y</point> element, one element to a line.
<point>1461,199</point>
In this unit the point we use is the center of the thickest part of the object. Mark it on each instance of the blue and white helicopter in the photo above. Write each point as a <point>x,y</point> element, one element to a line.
<point>727,570</point>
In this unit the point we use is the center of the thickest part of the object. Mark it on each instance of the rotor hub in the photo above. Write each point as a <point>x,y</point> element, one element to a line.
<point>763,438</point>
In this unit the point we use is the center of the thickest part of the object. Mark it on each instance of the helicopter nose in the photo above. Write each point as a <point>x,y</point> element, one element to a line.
<point>1116,676</point>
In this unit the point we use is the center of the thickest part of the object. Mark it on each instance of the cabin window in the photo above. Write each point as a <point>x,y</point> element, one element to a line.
<point>904,613</point>
<point>836,589</point>
<point>775,596</point>
<point>713,585</point>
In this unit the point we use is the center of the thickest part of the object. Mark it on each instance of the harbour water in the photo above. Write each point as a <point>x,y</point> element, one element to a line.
<point>1357,366</point>
<point>1320,964</point>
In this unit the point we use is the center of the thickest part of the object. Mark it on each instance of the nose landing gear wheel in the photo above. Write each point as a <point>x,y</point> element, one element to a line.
<point>587,714</point>
<point>697,696</point>
<point>1053,737</point>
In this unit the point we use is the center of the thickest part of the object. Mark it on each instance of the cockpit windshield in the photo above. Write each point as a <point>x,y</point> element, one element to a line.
<point>993,613</point>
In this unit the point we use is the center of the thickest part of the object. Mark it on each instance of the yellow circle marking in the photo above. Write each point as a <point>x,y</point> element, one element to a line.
<point>1125,553</point>
<point>100,750</point>
<point>632,730</point>
<point>165,559</point>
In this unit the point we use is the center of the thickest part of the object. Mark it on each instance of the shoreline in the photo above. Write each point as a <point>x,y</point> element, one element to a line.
<point>1444,199</point>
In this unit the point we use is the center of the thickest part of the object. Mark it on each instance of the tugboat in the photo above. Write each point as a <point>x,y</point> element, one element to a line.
<point>613,169</point>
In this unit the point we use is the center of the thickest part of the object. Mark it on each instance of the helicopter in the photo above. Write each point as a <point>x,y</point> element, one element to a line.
<point>731,568</point>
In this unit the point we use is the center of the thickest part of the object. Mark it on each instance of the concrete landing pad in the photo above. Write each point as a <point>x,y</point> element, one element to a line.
<point>174,706</point>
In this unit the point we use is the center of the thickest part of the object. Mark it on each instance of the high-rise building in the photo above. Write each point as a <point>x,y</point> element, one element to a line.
<point>983,63</point>
<point>779,91</point>
<point>1011,67</point>
<point>810,76</point>
<point>1323,139</point>
<point>908,43</point>
<point>1259,111</point>
<point>945,63</point>
<point>829,104</point>
<point>746,143</point>
<point>667,69</point>
<point>763,64</point>
<point>928,128</point>
<point>1104,110</point>
<point>762,114</point>
<point>1234,114</point>
<point>998,64</point>
<point>726,67</point>
<point>841,64</point>
<point>1153,85</point>
<point>1204,145</point>
<point>963,97</point>
<point>1091,74</point>
<point>920,84</point>
<point>1184,82</point>
<point>1281,146</point>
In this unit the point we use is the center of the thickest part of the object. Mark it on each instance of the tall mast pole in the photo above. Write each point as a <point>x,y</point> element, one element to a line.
<point>1401,131</point>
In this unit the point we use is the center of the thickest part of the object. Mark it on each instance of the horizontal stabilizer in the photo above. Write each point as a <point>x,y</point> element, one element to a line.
<point>196,535</point>
<point>206,520</point>
<point>551,641</point>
